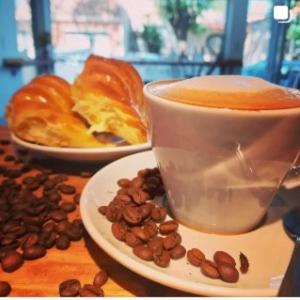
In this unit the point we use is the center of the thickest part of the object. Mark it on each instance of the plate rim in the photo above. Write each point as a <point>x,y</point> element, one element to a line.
<point>73,150</point>
<point>153,274</point>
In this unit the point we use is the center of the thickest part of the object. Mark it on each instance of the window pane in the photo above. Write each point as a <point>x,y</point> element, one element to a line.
<point>258,37</point>
<point>144,32</point>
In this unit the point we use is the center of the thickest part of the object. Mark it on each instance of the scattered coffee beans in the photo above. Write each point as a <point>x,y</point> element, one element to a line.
<point>5,288</point>
<point>221,257</point>
<point>69,288</point>
<point>195,257</point>
<point>12,261</point>
<point>209,269</point>
<point>100,278</point>
<point>244,263</point>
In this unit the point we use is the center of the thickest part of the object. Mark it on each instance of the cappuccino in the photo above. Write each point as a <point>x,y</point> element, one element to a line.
<point>231,91</point>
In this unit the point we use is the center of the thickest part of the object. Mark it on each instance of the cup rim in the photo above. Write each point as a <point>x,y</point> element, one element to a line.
<point>185,106</point>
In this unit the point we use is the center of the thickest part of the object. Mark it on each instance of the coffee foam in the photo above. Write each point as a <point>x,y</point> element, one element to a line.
<point>228,91</point>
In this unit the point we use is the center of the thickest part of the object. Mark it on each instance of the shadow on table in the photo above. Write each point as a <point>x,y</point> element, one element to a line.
<point>135,284</point>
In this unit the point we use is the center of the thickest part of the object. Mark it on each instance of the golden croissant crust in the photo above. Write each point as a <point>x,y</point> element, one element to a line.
<point>106,99</point>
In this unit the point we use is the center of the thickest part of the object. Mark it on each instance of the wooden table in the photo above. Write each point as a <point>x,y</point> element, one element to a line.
<point>82,260</point>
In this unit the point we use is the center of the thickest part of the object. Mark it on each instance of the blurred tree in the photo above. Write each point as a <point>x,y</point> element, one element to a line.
<point>293,35</point>
<point>152,38</point>
<point>182,15</point>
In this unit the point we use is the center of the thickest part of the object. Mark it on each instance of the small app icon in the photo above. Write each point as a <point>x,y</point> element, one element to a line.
<point>281,13</point>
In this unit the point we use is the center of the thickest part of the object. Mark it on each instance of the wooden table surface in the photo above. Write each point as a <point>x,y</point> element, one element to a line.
<point>82,260</point>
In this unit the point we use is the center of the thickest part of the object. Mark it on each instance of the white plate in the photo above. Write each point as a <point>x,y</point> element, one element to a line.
<point>268,248</point>
<point>81,154</point>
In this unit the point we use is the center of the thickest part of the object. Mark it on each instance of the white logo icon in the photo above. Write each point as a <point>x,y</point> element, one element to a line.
<point>282,14</point>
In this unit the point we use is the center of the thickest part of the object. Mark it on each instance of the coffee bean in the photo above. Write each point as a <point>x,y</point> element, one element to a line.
<point>137,182</point>
<point>62,242</point>
<point>86,174</point>
<point>74,233</point>
<point>140,197</point>
<point>123,182</point>
<point>100,278</point>
<point>146,209</point>
<point>5,288</point>
<point>69,288</point>
<point>122,191</point>
<point>162,259</point>
<point>62,227</point>
<point>67,189</point>
<point>89,290</point>
<point>102,210</point>
<point>141,233</point>
<point>156,244</point>
<point>228,273</point>
<point>143,172</point>
<point>132,215</point>
<point>25,168</point>
<point>171,240</point>
<point>159,214</point>
<point>49,227</point>
<point>60,178</point>
<point>41,178</point>
<point>33,186</point>
<point>68,206</point>
<point>5,142</point>
<point>195,257</point>
<point>31,240</point>
<point>244,263</point>
<point>14,173</point>
<point>76,198</point>
<point>221,257</point>
<point>49,184</point>
<point>12,261</point>
<point>54,197</point>
<point>209,269</point>
<point>34,252</point>
<point>50,242</point>
<point>118,231</point>
<point>58,215</point>
<point>151,227</point>
<point>2,151</point>
<point>178,252</point>
<point>132,240</point>
<point>9,158</point>
<point>168,227</point>
<point>143,252</point>
<point>28,180</point>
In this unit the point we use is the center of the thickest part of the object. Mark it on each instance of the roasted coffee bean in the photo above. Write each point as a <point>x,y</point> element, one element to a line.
<point>140,197</point>
<point>28,180</point>
<point>143,252</point>
<point>58,215</point>
<point>33,228</point>
<point>76,198</point>
<point>168,227</point>
<point>102,210</point>
<point>244,263</point>
<point>9,158</point>
<point>49,184</point>
<point>49,227</point>
<point>122,191</point>
<point>221,257</point>
<point>60,178</point>
<point>31,240</point>
<point>5,288</point>
<point>78,223</point>
<point>151,227</point>
<point>41,178</point>
<point>132,240</point>
<point>33,186</point>
<point>122,199</point>
<point>195,257</point>
<point>113,214</point>
<point>54,197</point>
<point>100,278</point>
<point>62,227</point>
<point>146,209</point>
<point>162,259</point>
<point>156,244</point>
<point>159,214</point>
<point>2,151</point>
<point>228,273</point>
<point>86,174</point>
<point>14,173</point>
<point>118,231</point>
<point>50,242</point>
<point>62,242</point>
<point>141,233</point>
<point>123,182</point>
<point>89,290</point>
<point>137,182</point>
<point>67,189</point>
<point>68,206</point>
<point>34,252</point>
<point>132,215</point>
<point>32,220</point>
<point>8,240</point>
<point>74,233</point>
<point>69,288</point>
<point>171,240</point>
<point>209,269</point>
<point>12,261</point>
<point>25,168</point>
<point>178,252</point>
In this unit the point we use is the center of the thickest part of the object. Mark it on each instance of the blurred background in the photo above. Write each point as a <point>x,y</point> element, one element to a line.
<point>161,38</point>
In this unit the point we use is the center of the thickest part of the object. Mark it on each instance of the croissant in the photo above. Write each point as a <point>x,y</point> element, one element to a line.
<point>108,95</point>
<point>41,112</point>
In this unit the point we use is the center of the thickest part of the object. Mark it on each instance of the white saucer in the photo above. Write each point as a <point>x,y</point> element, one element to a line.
<point>81,154</point>
<point>268,248</point>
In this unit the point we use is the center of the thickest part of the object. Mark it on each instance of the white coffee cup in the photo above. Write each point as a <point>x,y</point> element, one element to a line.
<point>221,167</point>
